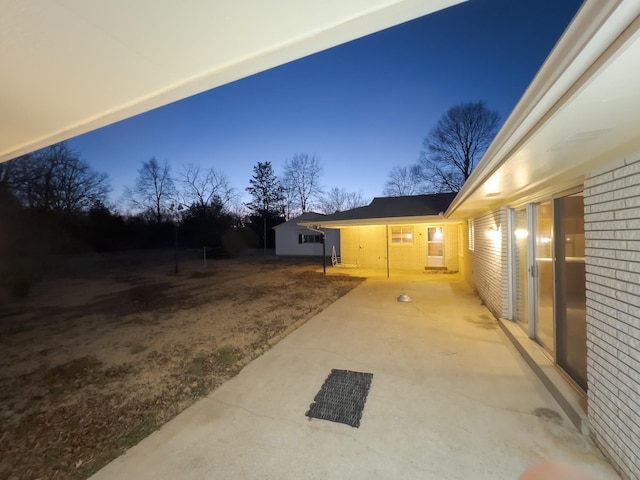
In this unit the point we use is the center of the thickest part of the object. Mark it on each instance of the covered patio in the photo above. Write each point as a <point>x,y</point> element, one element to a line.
<point>450,398</point>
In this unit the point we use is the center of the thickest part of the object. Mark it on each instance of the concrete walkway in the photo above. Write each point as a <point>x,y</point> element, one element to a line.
<point>450,399</point>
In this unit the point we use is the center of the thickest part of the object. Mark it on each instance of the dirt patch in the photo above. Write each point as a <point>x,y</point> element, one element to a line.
<point>105,351</point>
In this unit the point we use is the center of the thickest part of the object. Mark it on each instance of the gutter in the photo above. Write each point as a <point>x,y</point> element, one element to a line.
<point>358,222</point>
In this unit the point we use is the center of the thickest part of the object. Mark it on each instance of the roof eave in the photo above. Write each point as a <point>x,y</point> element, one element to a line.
<point>360,222</point>
<point>566,64</point>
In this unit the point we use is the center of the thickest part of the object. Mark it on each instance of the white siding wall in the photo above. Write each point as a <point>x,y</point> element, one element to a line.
<point>612,229</point>
<point>489,262</point>
<point>333,240</point>
<point>287,241</point>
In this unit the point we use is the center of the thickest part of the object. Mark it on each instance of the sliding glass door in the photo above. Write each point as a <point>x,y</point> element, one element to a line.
<point>548,272</point>
<point>570,298</point>
<point>544,276</point>
<point>520,264</point>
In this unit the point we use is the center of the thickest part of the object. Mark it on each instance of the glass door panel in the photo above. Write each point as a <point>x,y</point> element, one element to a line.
<point>570,306</point>
<point>544,276</point>
<point>435,247</point>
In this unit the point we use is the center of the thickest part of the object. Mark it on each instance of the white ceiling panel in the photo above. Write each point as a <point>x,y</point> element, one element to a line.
<point>71,66</point>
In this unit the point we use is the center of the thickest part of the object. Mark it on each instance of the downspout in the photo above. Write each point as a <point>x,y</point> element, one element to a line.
<point>324,248</point>
<point>387,250</point>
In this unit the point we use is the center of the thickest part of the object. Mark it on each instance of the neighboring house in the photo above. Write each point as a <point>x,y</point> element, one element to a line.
<point>297,240</point>
<point>397,234</point>
<point>553,216</point>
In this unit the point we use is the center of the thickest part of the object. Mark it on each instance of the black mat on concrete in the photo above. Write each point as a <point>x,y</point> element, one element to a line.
<point>342,397</point>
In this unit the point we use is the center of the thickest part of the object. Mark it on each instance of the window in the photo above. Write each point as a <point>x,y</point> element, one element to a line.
<point>471,233</point>
<point>312,238</point>
<point>401,235</point>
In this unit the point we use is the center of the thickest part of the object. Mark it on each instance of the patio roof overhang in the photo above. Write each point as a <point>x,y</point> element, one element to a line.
<point>362,222</point>
<point>71,66</point>
<point>582,110</point>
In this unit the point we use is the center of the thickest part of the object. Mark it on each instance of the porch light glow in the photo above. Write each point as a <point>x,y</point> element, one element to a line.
<point>521,233</point>
<point>438,234</point>
<point>494,232</point>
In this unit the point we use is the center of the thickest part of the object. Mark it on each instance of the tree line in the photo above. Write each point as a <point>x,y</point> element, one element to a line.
<point>53,201</point>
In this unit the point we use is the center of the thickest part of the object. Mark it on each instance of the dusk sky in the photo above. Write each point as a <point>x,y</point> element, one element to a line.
<point>361,107</point>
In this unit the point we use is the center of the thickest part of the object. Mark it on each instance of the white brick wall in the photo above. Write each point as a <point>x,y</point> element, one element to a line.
<point>489,263</point>
<point>451,237</point>
<point>612,231</point>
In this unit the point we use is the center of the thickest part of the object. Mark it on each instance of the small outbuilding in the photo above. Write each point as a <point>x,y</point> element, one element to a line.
<point>297,240</point>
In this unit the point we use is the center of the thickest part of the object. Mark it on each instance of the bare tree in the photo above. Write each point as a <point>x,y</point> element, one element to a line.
<point>455,145</point>
<point>154,189</point>
<point>288,197</point>
<point>301,179</point>
<point>402,181</point>
<point>54,178</point>
<point>238,212</point>
<point>339,199</point>
<point>204,188</point>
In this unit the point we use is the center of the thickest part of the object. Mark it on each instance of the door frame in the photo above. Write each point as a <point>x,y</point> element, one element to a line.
<point>441,242</point>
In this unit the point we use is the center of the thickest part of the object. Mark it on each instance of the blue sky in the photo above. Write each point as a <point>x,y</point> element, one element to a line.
<point>361,107</point>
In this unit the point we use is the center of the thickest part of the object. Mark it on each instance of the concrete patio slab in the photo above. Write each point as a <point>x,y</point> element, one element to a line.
<point>450,399</point>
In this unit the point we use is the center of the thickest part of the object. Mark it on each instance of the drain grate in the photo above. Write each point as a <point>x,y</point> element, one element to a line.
<point>342,397</point>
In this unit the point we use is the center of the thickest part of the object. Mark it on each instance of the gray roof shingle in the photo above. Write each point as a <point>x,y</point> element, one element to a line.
<point>388,207</point>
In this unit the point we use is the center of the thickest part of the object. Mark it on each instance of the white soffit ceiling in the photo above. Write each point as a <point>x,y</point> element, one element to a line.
<point>71,66</point>
<point>587,117</point>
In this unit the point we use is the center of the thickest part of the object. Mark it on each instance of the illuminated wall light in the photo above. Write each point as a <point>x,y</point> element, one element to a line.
<point>494,232</point>
<point>521,233</point>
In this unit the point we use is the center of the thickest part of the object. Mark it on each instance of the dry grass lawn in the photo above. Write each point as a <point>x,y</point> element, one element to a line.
<point>106,349</point>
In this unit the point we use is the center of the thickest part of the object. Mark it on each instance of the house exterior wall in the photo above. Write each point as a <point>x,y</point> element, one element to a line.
<point>287,241</point>
<point>612,230</point>
<point>463,251</point>
<point>332,240</point>
<point>409,257</point>
<point>488,269</point>
<point>612,260</point>
<point>451,251</point>
<point>366,246</point>
<point>373,251</point>
<point>350,245</point>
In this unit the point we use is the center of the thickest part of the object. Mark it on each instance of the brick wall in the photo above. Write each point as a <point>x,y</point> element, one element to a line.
<point>451,238</point>
<point>408,257</point>
<point>488,267</point>
<point>612,231</point>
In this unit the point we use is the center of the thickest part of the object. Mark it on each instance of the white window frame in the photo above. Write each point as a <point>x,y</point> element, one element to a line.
<point>402,235</point>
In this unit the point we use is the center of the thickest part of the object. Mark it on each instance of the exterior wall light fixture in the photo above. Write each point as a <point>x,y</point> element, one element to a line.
<point>494,232</point>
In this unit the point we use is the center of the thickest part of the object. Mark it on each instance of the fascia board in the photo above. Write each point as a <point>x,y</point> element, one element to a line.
<point>430,219</point>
